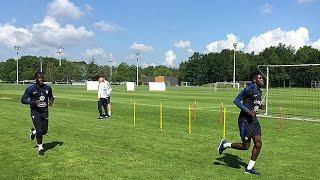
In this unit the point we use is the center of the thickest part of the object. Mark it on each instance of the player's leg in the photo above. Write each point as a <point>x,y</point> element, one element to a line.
<point>245,138</point>
<point>244,129</point>
<point>105,107</point>
<point>256,148</point>
<point>256,136</point>
<point>32,133</point>
<point>100,109</point>
<point>37,122</point>
<point>45,123</point>
<point>109,106</point>
<point>240,146</point>
<point>44,130</point>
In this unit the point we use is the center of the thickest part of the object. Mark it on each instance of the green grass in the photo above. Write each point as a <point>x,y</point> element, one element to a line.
<point>84,148</point>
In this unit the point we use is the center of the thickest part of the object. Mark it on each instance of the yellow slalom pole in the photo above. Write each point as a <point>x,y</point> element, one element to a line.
<point>134,113</point>
<point>189,119</point>
<point>161,116</point>
<point>195,111</point>
<point>224,122</point>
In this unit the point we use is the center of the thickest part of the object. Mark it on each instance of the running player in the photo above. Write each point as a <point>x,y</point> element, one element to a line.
<point>249,126</point>
<point>39,96</point>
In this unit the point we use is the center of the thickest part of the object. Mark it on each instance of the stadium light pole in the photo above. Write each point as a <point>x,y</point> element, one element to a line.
<point>17,48</point>
<point>137,55</point>
<point>110,61</point>
<point>60,51</point>
<point>41,64</point>
<point>234,64</point>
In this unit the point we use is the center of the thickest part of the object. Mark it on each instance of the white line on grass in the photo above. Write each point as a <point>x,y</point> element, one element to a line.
<point>156,105</point>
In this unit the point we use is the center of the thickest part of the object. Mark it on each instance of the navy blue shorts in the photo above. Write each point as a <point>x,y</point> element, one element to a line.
<point>104,101</point>
<point>40,122</point>
<point>248,128</point>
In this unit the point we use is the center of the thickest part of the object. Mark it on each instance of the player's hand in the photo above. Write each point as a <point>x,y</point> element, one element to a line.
<point>50,103</point>
<point>252,113</point>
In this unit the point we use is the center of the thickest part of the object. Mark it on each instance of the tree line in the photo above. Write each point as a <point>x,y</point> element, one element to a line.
<point>198,69</point>
<point>76,71</point>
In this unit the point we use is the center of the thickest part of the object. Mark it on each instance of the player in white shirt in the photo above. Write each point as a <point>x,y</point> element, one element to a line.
<point>104,92</point>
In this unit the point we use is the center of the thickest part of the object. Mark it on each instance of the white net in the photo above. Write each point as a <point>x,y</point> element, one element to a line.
<point>225,86</point>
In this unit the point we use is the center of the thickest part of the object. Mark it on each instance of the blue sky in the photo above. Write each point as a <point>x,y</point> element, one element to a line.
<point>164,32</point>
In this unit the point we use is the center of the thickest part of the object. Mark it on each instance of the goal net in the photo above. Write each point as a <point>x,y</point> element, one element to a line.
<point>315,84</point>
<point>294,88</point>
<point>225,86</point>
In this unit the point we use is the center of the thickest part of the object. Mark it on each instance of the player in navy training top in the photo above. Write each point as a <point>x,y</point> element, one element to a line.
<point>249,126</point>
<point>39,96</point>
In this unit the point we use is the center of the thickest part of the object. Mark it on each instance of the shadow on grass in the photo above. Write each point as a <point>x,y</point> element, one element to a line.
<point>53,144</point>
<point>230,160</point>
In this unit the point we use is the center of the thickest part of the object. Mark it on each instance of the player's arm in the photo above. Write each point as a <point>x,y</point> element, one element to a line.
<point>98,92</point>
<point>239,98</point>
<point>50,96</point>
<point>109,88</point>
<point>262,105</point>
<point>25,99</point>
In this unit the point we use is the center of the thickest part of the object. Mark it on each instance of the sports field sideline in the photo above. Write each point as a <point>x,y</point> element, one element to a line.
<point>81,147</point>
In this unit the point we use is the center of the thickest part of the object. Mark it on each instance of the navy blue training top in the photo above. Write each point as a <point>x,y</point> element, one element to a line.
<point>251,100</point>
<point>36,92</point>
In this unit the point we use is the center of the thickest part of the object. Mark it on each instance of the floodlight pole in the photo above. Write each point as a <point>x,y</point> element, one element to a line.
<point>41,64</point>
<point>234,64</point>
<point>267,89</point>
<point>110,61</point>
<point>60,52</point>
<point>17,48</point>
<point>137,55</point>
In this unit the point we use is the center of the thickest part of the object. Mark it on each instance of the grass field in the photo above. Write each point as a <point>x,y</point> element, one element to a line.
<point>81,147</point>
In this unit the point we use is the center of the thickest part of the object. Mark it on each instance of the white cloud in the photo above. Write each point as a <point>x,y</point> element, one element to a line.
<point>190,51</point>
<point>13,36</point>
<point>316,44</point>
<point>141,47</point>
<point>50,33</point>
<point>47,34</point>
<point>170,57</point>
<point>297,39</point>
<point>101,25</point>
<point>95,52</point>
<point>88,8</point>
<point>182,44</point>
<point>218,46</point>
<point>266,9</point>
<point>147,65</point>
<point>130,57</point>
<point>64,9</point>
<point>304,1</point>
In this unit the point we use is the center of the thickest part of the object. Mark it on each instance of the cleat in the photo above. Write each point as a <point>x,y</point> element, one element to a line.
<point>251,171</point>
<point>220,148</point>
<point>41,152</point>
<point>106,116</point>
<point>100,117</point>
<point>31,135</point>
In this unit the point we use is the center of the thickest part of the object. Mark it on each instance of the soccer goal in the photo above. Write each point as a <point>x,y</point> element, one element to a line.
<point>293,88</point>
<point>315,84</point>
<point>224,86</point>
